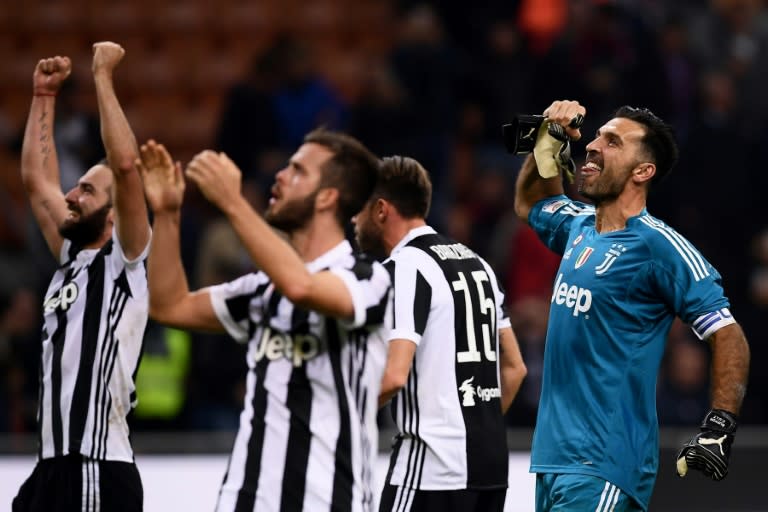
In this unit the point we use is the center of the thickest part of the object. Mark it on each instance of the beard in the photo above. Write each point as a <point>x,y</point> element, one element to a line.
<point>369,239</point>
<point>294,215</point>
<point>603,189</point>
<point>87,229</point>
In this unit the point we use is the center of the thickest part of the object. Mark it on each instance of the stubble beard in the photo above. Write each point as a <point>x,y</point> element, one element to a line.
<point>602,190</point>
<point>370,240</point>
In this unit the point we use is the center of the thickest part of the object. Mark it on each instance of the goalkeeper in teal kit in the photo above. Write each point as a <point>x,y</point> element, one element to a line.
<point>623,278</point>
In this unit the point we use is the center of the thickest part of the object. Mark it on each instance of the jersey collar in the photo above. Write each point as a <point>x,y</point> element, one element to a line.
<point>414,233</point>
<point>327,259</point>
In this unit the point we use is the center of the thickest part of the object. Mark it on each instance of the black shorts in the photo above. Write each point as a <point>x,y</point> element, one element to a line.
<point>399,499</point>
<point>74,483</point>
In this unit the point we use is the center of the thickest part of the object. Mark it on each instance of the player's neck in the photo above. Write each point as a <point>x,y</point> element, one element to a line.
<point>612,216</point>
<point>399,229</point>
<point>106,235</point>
<point>319,236</point>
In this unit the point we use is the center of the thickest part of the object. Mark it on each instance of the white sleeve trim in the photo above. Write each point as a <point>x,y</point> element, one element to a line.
<point>218,301</point>
<point>141,257</point>
<point>403,334</point>
<point>706,325</point>
<point>358,299</point>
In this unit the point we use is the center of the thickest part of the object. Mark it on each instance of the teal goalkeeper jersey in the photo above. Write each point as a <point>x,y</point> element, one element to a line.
<point>614,299</point>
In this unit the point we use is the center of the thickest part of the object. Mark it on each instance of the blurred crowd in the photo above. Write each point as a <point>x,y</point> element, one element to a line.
<point>435,81</point>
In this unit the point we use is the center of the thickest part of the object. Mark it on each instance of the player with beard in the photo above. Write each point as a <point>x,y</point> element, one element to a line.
<point>95,309</point>
<point>453,366</point>
<point>623,278</point>
<point>308,436</point>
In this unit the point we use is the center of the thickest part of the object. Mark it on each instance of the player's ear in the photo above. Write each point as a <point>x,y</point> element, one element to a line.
<point>326,198</point>
<point>381,209</point>
<point>644,172</point>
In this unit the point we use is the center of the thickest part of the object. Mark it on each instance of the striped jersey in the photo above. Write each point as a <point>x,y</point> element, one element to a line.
<point>94,316</point>
<point>451,432</point>
<point>614,299</point>
<point>308,436</point>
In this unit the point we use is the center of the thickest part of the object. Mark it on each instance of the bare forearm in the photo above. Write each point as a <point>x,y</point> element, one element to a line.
<point>512,368</point>
<point>269,252</point>
<point>167,280</point>
<point>530,188</point>
<point>120,144</point>
<point>116,134</point>
<point>730,368</point>
<point>511,380</point>
<point>389,388</point>
<point>39,163</point>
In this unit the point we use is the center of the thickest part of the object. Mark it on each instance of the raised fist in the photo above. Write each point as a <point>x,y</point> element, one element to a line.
<point>49,75</point>
<point>106,56</point>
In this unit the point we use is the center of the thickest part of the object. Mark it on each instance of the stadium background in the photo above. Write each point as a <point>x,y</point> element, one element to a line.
<point>432,80</point>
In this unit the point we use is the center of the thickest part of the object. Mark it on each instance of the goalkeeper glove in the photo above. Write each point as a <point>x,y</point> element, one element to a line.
<point>553,152</point>
<point>710,449</point>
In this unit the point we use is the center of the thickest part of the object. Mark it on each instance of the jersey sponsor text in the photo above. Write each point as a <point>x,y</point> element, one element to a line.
<point>297,349</point>
<point>573,297</point>
<point>65,297</point>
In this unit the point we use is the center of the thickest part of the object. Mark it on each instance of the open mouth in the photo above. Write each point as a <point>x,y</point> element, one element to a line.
<point>591,169</point>
<point>275,195</point>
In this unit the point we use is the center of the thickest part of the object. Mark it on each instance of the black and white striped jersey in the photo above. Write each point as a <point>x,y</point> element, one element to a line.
<point>308,435</point>
<point>451,431</point>
<point>95,313</point>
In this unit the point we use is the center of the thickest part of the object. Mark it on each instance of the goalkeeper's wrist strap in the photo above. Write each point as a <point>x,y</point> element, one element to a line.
<point>720,421</point>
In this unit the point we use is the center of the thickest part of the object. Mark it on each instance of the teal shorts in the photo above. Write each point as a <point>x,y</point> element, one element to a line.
<point>568,492</point>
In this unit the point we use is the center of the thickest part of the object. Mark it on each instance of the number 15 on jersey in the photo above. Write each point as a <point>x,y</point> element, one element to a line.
<point>480,318</point>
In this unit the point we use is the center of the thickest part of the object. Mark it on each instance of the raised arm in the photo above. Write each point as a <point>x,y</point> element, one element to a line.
<point>170,301</point>
<point>131,219</point>
<point>39,164</point>
<point>530,187</point>
<point>512,369</point>
<point>219,180</point>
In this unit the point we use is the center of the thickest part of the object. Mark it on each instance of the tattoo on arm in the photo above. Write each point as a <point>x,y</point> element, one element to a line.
<point>45,139</point>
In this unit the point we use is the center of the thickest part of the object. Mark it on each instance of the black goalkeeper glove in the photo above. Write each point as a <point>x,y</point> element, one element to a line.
<point>710,449</point>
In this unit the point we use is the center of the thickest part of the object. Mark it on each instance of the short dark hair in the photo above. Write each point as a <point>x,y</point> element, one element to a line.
<point>405,183</point>
<point>659,139</point>
<point>353,170</point>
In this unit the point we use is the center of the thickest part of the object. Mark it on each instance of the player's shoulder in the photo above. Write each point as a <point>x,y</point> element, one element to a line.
<point>436,247</point>
<point>657,234</point>
<point>248,281</point>
<point>416,255</point>
<point>560,205</point>
<point>664,242</point>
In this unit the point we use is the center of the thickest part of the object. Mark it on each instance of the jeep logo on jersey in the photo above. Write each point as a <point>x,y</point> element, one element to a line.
<point>65,297</point>
<point>276,345</point>
<point>574,297</point>
<point>469,392</point>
